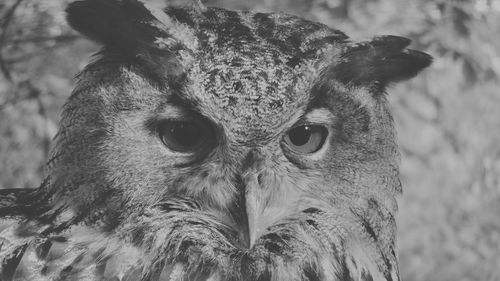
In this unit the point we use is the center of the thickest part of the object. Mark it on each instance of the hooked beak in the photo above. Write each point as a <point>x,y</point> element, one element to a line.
<point>251,211</point>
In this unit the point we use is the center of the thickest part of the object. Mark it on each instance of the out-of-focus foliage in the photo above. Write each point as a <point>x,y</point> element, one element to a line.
<point>448,118</point>
<point>38,57</point>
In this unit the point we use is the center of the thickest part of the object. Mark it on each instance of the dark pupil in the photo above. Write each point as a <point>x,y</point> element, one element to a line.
<point>300,135</point>
<point>185,134</point>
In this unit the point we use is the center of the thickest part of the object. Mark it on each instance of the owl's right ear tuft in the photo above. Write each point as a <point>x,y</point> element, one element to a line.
<point>121,24</point>
<point>131,30</point>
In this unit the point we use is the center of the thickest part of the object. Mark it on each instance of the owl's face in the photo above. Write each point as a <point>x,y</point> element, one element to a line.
<point>239,145</point>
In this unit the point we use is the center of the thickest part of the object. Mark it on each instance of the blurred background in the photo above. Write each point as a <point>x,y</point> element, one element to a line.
<point>448,118</point>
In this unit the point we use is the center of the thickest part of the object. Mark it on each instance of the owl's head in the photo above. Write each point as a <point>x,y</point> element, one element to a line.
<point>252,146</point>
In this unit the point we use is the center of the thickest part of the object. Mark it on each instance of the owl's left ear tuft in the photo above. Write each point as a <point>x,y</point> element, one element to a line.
<point>381,61</point>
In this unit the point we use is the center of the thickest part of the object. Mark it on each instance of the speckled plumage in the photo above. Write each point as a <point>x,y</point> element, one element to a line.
<point>119,205</point>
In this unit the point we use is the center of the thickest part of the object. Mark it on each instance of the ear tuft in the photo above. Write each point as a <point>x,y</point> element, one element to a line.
<point>131,30</point>
<point>381,61</point>
<point>123,24</point>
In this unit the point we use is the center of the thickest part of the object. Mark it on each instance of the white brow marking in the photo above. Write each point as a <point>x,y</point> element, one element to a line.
<point>320,115</point>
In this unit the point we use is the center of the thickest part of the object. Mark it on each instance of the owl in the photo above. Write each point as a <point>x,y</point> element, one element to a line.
<point>203,144</point>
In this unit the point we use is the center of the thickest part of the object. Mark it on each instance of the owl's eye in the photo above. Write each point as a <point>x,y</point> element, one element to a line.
<point>184,136</point>
<point>306,139</point>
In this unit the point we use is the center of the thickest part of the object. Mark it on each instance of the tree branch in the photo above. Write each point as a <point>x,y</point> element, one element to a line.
<point>38,39</point>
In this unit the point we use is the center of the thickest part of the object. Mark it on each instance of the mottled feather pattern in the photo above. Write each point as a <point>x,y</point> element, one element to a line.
<point>201,244</point>
<point>118,204</point>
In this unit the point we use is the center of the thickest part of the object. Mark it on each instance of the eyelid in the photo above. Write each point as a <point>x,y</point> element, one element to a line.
<point>172,112</point>
<point>317,116</point>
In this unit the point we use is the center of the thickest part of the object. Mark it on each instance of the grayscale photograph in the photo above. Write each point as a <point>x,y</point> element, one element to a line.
<point>233,140</point>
